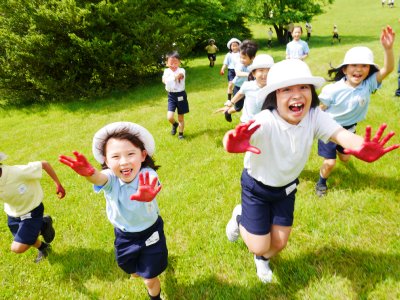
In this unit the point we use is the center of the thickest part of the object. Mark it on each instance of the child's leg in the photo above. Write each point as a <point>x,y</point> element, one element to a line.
<point>327,167</point>
<point>153,287</point>
<point>181,120</point>
<point>344,157</point>
<point>171,117</point>
<point>17,247</point>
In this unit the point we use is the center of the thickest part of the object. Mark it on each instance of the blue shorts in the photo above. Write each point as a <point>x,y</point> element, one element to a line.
<point>212,56</point>
<point>144,253</point>
<point>329,150</point>
<point>264,206</point>
<point>231,74</point>
<point>26,228</point>
<point>178,101</point>
<point>238,105</point>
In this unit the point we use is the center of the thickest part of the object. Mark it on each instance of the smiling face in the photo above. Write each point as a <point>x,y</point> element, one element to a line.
<point>124,158</point>
<point>296,34</point>
<point>173,63</point>
<point>355,73</point>
<point>245,59</point>
<point>235,47</point>
<point>261,76</point>
<point>294,102</point>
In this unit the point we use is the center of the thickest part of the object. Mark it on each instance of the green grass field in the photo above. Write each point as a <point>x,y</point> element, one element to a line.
<point>344,246</point>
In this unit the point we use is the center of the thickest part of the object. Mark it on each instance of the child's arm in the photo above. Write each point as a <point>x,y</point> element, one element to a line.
<point>49,170</point>
<point>365,149</point>
<point>387,40</point>
<point>222,72</point>
<point>238,140</point>
<point>81,166</point>
<point>238,96</point>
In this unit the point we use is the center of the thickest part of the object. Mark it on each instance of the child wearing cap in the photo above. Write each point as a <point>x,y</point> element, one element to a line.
<point>230,60</point>
<point>335,35</point>
<point>212,50</point>
<point>297,48</point>
<point>277,144</point>
<point>174,79</point>
<point>22,194</point>
<point>130,185</point>
<point>248,50</point>
<point>347,100</point>
<point>258,71</point>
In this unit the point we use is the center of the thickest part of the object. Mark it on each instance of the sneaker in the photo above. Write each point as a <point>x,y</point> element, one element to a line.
<point>48,231</point>
<point>321,189</point>
<point>180,136</point>
<point>174,127</point>
<point>43,254</point>
<point>232,228</point>
<point>228,117</point>
<point>264,272</point>
<point>227,103</point>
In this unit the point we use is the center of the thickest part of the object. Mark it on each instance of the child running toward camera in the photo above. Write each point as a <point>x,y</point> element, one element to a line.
<point>297,48</point>
<point>130,185</point>
<point>212,50</point>
<point>277,144</point>
<point>230,60</point>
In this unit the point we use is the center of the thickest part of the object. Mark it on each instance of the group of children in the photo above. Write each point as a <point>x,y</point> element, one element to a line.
<point>281,118</point>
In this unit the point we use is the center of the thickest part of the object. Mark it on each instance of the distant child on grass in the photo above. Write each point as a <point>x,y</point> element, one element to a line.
<point>277,144</point>
<point>22,194</point>
<point>297,48</point>
<point>174,80</point>
<point>248,50</point>
<point>270,33</point>
<point>335,35</point>
<point>212,50</point>
<point>347,100</point>
<point>231,59</point>
<point>130,185</point>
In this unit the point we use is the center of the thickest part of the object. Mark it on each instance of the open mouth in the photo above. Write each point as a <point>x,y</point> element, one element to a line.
<point>296,107</point>
<point>126,172</point>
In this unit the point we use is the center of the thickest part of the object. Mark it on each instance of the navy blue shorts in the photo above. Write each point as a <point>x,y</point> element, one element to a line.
<point>144,253</point>
<point>238,105</point>
<point>212,56</point>
<point>231,74</point>
<point>178,101</point>
<point>264,206</point>
<point>329,150</point>
<point>26,228</point>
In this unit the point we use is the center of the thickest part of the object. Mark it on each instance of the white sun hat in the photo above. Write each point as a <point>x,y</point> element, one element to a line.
<point>142,133</point>
<point>287,73</point>
<point>261,61</point>
<point>233,40</point>
<point>3,156</point>
<point>360,56</point>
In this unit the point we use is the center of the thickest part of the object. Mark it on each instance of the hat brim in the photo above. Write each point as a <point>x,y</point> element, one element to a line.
<point>314,80</point>
<point>251,68</point>
<point>234,40</point>
<point>142,133</point>
<point>356,63</point>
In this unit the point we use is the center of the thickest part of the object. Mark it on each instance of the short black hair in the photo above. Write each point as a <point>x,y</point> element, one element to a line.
<point>249,48</point>
<point>173,54</point>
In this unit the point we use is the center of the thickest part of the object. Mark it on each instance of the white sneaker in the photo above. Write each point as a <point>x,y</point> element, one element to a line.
<point>263,270</point>
<point>232,228</point>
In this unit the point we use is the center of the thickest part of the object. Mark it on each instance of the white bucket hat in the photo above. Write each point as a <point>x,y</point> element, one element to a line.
<point>287,73</point>
<point>3,156</point>
<point>142,133</point>
<point>261,61</point>
<point>359,55</point>
<point>233,40</point>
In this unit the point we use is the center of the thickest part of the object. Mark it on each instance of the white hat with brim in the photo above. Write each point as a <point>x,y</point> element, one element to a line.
<point>261,61</point>
<point>233,40</point>
<point>3,156</point>
<point>287,73</point>
<point>359,56</point>
<point>142,133</point>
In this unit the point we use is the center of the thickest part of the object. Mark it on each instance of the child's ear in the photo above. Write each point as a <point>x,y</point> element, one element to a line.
<point>144,155</point>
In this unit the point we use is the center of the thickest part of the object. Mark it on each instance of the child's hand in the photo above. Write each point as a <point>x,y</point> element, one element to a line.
<point>222,72</point>
<point>147,191</point>
<point>80,165</point>
<point>373,150</point>
<point>238,140</point>
<point>387,37</point>
<point>60,191</point>
<point>179,77</point>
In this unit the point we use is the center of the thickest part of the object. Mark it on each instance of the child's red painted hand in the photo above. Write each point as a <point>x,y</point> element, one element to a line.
<point>222,72</point>
<point>373,150</point>
<point>60,191</point>
<point>80,165</point>
<point>238,140</point>
<point>147,190</point>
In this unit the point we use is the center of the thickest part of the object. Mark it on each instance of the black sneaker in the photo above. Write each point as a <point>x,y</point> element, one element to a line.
<point>48,231</point>
<point>43,254</point>
<point>228,117</point>
<point>180,136</point>
<point>321,189</point>
<point>174,127</point>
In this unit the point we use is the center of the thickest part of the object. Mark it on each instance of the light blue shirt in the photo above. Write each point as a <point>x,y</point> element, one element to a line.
<point>252,105</point>
<point>125,214</point>
<point>238,80</point>
<point>231,59</point>
<point>296,49</point>
<point>346,104</point>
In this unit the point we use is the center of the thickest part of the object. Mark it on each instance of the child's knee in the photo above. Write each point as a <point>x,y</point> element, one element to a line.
<point>19,248</point>
<point>151,282</point>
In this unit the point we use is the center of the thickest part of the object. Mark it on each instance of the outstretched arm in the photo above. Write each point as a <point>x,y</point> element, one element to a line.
<point>387,41</point>
<point>147,190</point>
<point>238,140</point>
<point>49,170</point>
<point>365,149</point>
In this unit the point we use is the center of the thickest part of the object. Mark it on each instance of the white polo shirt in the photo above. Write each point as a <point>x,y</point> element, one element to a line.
<point>171,84</point>
<point>285,148</point>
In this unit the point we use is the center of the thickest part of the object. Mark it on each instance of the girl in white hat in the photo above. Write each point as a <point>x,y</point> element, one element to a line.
<point>277,144</point>
<point>347,100</point>
<point>130,185</point>
<point>231,59</point>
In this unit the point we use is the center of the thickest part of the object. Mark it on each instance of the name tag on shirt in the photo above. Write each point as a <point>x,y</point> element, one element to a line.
<point>290,188</point>
<point>154,238</point>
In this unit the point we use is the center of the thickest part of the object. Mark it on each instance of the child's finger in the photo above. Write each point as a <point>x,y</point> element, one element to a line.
<point>379,133</point>
<point>387,138</point>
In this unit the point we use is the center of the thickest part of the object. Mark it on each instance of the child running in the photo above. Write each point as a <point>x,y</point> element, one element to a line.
<point>259,71</point>
<point>347,100</point>
<point>130,185</point>
<point>297,48</point>
<point>174,80</point>
<point>22,194</point>
<point>277,144</point>
<point>230,60</point>
<point>212,50</point>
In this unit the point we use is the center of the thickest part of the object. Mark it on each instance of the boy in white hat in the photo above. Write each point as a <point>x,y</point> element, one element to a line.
<point>22,194</point>
<point>212,50</point>
<point>230,60</point>
<point>347,100</point>
<point>130,185</point>
<point>277,144</point>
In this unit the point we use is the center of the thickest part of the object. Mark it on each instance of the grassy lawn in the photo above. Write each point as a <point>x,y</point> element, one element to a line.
<point>344,246</point>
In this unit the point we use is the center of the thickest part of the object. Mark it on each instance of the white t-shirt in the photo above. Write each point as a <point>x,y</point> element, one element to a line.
<point>285,148</point>
<point>252,105</point>
<point>172,85</point>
